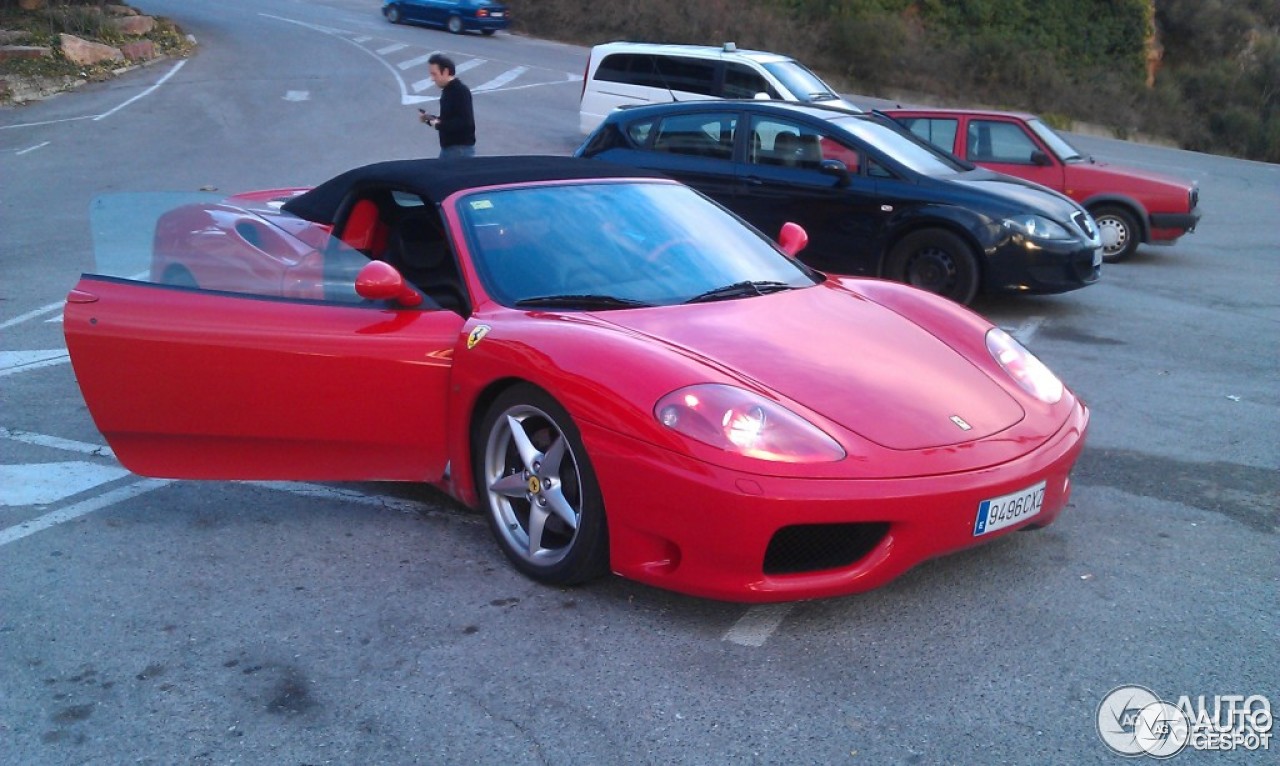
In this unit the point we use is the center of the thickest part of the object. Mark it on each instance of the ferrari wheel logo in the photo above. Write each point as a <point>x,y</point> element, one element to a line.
<point>534,485</point>
<point>960,423</point>
<point>477,335</point>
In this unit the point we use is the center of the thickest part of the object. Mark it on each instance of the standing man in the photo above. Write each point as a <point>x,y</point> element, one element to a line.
<point>457,122</point>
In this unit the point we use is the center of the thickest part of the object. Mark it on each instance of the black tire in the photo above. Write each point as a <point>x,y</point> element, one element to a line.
<point>539,483</point>
<point>1119,232</point>
<point>454,25</point>
<point>935,260</point>
<point>393,14</point>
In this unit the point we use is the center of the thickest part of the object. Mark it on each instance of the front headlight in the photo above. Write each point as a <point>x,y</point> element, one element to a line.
<point>736,420</point>
<point>1037,227</point>
<point>1024,367</point>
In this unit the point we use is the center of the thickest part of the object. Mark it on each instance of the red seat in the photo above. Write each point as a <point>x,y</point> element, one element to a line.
<point>364,231</point>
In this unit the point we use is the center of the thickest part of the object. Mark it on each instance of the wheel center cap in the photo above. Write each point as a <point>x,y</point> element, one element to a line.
<point>535,486</point>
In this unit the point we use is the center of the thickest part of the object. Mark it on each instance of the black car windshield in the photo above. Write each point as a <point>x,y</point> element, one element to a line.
<point>1065,151</point>
<point>897,143</point>
<point>803,84</point>
<point>610,245</point>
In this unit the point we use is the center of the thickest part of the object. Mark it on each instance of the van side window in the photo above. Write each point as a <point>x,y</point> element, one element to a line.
<point>700,135</point>
<point>744,82</point>
<point>685,74</point>
<point>628,68</point>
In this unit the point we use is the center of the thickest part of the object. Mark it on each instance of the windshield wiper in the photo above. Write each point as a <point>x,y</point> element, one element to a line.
<point>582,301</point>
<point>738,290</point>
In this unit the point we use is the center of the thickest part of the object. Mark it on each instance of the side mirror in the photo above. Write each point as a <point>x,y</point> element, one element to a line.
<point>1039,158</point>
<point>837,169</point>
<point>379,281</point>
<point>793,238</point>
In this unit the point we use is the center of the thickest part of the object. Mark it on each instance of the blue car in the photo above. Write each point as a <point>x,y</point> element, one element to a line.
<point>457,16</point>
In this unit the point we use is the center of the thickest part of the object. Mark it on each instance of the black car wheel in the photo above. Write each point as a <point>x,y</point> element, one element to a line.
<point>455,24</point>
<point>538,490</point>
<point>1119,233</point>
<point>937,261</point>
<point>393,14</point>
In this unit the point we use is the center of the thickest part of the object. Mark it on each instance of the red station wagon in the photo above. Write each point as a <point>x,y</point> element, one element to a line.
<point>1130,205</point>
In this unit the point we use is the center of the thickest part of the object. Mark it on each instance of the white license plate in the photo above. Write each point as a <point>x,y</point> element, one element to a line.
<point>1007,510</point>
<point>496,14</point>
<point>1097,257</point>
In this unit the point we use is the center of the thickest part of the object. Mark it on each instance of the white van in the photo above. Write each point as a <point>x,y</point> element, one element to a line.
<point>622,73</point>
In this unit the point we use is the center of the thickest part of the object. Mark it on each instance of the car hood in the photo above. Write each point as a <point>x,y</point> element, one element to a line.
<point>1016,191</point>
<point>1123,177</point>
<point>852,361</point>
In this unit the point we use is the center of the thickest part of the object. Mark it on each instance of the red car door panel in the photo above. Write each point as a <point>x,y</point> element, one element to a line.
<point>191,384</point>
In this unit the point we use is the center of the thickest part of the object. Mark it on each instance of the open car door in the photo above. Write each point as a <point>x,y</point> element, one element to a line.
<point>262,379</point>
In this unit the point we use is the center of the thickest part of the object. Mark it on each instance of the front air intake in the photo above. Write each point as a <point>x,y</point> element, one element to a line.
<point>814,547</point>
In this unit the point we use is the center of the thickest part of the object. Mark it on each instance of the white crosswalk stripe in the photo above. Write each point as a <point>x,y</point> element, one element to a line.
<point>391,49</point>
<point>502,79</point>
<point>469,64</point>
<point>413,62</point>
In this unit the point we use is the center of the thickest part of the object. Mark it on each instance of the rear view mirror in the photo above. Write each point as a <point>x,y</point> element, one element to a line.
<point>379,281</point>
<point>793,238</point>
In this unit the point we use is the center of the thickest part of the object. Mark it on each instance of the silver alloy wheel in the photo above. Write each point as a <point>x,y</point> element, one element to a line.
<point>393,14</point>
<point>532,485</point>
<point>1118,232</point>
<point>455,24</point>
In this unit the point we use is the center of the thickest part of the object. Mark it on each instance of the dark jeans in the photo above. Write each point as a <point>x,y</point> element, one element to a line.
<point>457,151</point>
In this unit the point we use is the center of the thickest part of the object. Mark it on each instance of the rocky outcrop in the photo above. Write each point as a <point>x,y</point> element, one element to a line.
<point>139,50</point>
<point>14,36</point>
<point>8,52</point>
<point>134,26</point>
<point>121,10</point>
<point>85,53</point>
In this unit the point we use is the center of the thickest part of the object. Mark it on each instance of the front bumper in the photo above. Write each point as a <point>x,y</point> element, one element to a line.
<point>1167,227</point>
<point>688,526</point>
<point>1020,264</point>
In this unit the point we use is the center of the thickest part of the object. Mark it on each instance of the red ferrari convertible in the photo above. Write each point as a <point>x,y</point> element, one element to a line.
<point>621,374</point>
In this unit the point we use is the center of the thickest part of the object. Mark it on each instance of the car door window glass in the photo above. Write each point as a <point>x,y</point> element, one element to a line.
<point>940,132</point>
<point>788,144</point>
<point>701,135</point>
<point>639,132</point>
<point>687,75</point>
<point>744,82</point>
<point>993,141</point>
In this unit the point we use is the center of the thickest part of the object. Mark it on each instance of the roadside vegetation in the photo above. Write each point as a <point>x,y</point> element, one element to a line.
<point>1204,74</point>
<point>41,26</point>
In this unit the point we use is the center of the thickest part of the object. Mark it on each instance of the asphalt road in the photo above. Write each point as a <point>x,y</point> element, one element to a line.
<point>215,623</point>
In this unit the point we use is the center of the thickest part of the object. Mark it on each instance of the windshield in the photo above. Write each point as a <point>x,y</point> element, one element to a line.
<point>1065,151</point>
<point>614,245</point>
<point>897,143</point>
<point>803,84</point>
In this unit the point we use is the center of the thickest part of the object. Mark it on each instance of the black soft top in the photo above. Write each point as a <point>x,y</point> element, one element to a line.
<point>435,180</point>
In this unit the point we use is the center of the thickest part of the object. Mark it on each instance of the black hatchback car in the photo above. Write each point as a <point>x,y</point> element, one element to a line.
<point>874,199</point>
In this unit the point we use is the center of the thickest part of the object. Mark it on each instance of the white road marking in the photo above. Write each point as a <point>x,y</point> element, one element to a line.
<point>502,79</point>
<point>32,148</point>
<point>411,63</point>
<point>755,627</point>
<point>323,492</point>
<point>362,39</point>
<point>1027,330</point>
<point>381,51</point>
<point>144,93</point>
<point>297,95</point>
<point>105,500</point>
<point>31,315</point>
<point>24,361</point>
<point>48,483</point>
<point>56,442</point>
<point>469,64</point>
<point>422,85</point>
